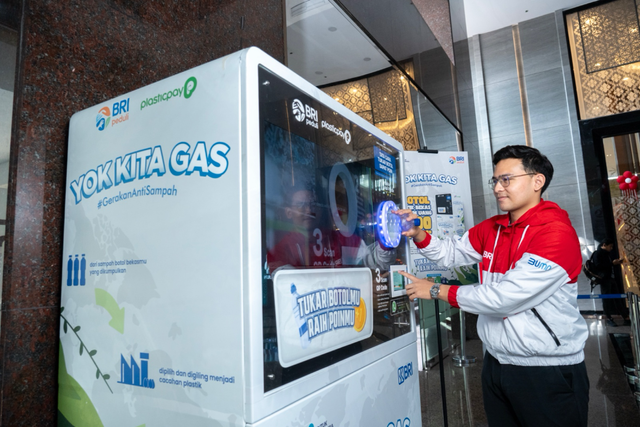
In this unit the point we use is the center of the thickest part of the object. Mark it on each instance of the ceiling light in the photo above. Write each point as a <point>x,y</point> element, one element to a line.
<point>319,73</point>
<point>367,59</point>
<point>354,90</point>
<point>332,29</point>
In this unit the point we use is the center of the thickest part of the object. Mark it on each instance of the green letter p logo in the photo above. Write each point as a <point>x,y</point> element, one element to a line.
<point>190,87</point>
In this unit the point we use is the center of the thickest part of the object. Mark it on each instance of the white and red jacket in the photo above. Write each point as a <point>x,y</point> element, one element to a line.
<point>527,302</point>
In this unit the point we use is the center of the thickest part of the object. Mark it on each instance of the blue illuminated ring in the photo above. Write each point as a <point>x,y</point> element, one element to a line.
<point>388,225</point>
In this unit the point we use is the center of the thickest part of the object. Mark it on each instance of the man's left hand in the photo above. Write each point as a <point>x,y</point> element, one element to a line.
<point>418,288</point>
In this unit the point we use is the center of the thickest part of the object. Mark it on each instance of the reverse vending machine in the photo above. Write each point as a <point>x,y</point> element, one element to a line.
<point>231,258</point>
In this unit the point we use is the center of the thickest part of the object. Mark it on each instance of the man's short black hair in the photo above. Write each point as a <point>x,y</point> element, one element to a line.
<point>533,161</point>
<point>607,241</point>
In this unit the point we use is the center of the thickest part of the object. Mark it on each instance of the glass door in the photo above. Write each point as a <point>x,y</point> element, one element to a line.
<point>623,164</point>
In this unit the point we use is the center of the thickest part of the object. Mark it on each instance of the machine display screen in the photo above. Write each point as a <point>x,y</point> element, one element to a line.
<point>327,289</point>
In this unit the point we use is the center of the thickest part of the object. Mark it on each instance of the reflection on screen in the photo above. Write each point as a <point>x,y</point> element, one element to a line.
<point>323,178</point>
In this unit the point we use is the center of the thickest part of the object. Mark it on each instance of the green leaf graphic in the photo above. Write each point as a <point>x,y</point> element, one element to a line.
<point>82,347</point>
<point>105,300</point>
<point>65,326</point>
<point>93,352</point>
<point>73,402</point>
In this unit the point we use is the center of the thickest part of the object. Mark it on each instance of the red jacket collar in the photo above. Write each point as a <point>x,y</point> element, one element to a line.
<point>503,220</point>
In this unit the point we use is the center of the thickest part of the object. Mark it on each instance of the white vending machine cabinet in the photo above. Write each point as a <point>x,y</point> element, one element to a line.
<point>225,260</point>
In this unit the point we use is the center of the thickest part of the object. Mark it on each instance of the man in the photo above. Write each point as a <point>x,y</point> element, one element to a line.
<point>533,372</point>
<point>604,268</point>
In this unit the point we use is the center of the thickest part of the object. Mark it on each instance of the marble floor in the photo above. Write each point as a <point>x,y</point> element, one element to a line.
<point>611,400</point>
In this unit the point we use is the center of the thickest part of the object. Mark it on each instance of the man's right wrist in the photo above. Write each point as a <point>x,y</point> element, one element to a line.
<point>422,239</point>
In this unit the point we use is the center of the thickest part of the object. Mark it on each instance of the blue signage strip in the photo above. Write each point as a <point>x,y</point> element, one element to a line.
<point>385,163</point>
<point>603,296</point>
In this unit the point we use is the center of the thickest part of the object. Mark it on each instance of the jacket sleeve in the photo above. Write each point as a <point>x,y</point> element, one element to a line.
<point>453,251</point>
<point>550,262</point>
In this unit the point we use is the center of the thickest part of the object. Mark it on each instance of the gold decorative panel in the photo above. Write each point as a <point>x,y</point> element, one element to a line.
<point>383,100</point>
<point>610,35</point>
<point>602,93</point>
<point>387,97</point>
<point>626,214</point>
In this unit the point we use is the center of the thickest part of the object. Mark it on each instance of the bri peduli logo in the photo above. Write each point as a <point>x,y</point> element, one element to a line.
<point>118,113</point>
<point>400,423</point>
<point>456,159</point>
<point>305,113</point>
<point>134,374</point>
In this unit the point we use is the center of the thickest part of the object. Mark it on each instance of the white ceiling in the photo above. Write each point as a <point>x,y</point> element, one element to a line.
<point>325,47</point>
<point>484,16</point>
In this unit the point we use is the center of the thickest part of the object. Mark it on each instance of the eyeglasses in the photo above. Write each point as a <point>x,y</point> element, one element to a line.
<point>504,180</point>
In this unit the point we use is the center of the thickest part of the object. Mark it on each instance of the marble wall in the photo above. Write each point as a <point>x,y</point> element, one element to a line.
<point>72,55</point>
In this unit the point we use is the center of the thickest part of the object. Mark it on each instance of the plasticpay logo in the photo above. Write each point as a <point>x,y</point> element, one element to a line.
<point>185,91</point>
<point>298,110</point>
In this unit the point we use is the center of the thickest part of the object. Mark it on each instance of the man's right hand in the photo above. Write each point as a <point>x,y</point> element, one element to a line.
<point>416,233</point>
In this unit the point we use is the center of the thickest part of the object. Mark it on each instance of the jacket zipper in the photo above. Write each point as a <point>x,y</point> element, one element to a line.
<point>555,338</point>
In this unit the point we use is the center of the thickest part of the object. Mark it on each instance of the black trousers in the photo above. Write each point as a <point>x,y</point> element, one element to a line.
<point>535,395</point>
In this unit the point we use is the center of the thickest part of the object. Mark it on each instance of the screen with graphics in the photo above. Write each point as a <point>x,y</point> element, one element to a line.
<point>327,289</point>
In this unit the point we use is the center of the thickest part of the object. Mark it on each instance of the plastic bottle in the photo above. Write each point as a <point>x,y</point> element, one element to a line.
<point>406,225</point>
<point>76,270</point>
<point>83,270</point>
<point>300,322</point>
<point>69,271</point>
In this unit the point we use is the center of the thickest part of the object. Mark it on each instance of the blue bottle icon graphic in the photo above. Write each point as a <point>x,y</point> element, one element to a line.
<point>83,269</point>
<point>76,268</point>
<point>300,322</point>
<point>69,271</point>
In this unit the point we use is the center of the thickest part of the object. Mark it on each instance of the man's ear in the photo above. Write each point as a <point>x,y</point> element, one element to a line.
<point>288,212</point>
<point>538,181</point>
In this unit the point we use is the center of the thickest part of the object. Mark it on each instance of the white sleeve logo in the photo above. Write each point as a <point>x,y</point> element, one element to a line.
<point>539,264</point>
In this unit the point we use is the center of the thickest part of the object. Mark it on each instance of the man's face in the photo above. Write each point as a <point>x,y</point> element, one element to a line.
<point>302,210</point>
<point>608,247</point>
<point>522,193</point>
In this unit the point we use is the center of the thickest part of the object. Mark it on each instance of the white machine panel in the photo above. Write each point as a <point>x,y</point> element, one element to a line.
<point>222,255</point>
